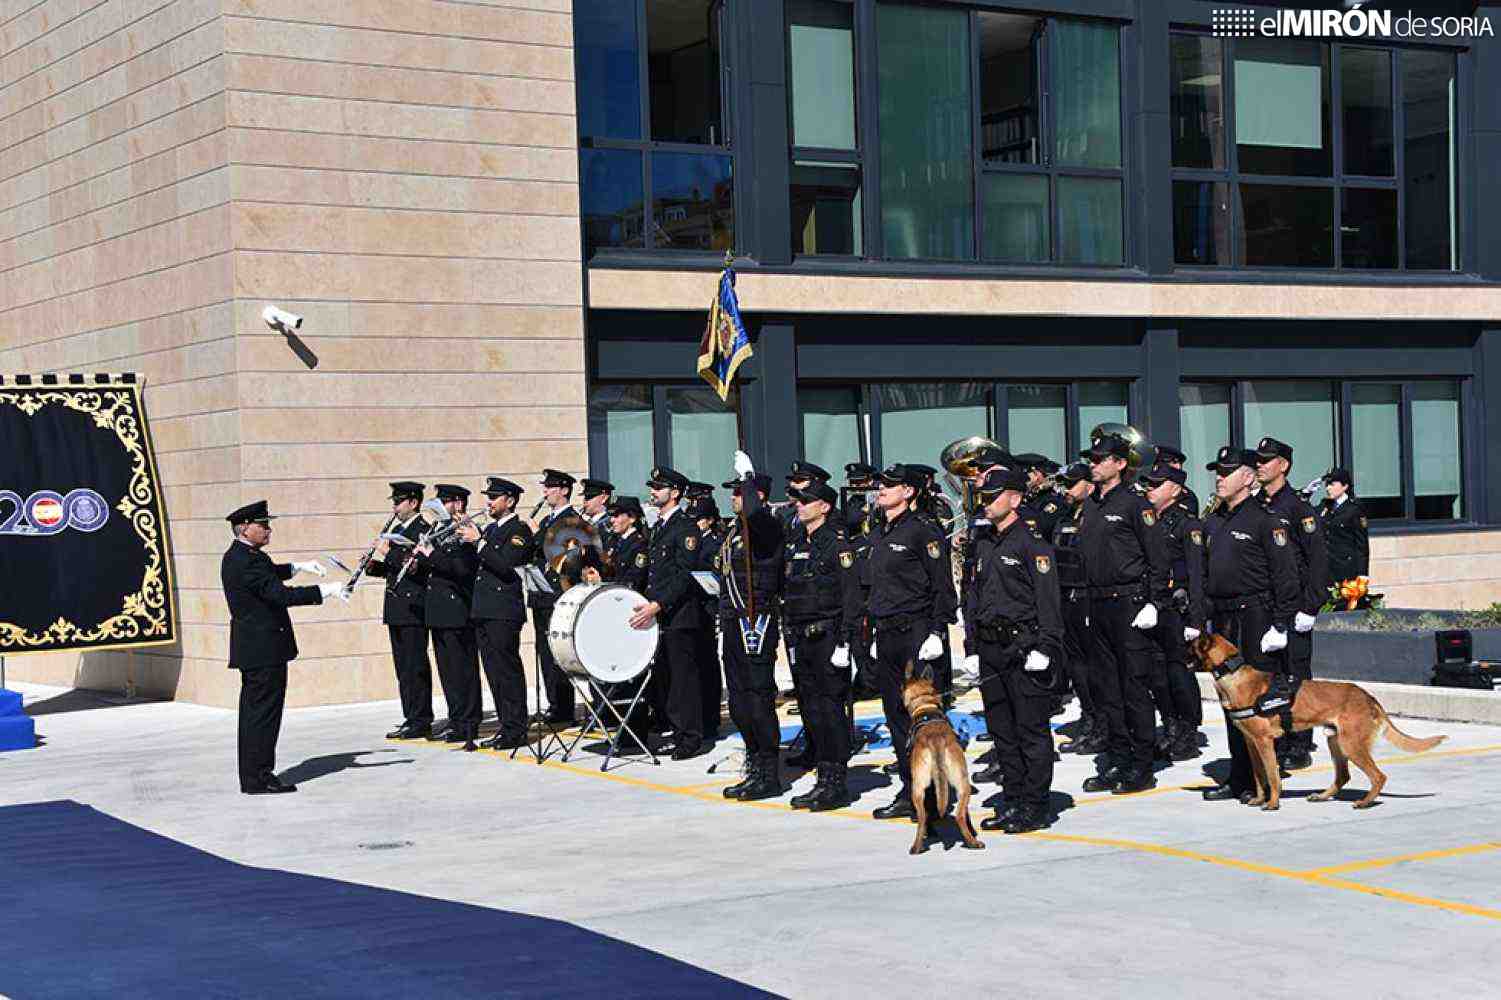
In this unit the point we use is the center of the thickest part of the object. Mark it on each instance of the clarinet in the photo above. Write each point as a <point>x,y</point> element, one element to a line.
<point>359,570</point>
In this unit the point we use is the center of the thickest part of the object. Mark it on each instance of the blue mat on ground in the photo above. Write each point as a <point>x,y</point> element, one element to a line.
<point>96,907</point>
<point>17,730</point>
<point>966,726</point>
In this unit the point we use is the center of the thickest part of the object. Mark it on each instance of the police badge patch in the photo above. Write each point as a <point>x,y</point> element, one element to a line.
<point>1279,535</point>
<point>690,542</point>
<point>1363,523</point>
<point>1044,564</point>
<point>1149,517</point>
<point>934,550</point>
<point>846,559</point>
<point>1196,536</point>
<point>1309,526</point>
<point>640,560</point>
<point>518,541</point>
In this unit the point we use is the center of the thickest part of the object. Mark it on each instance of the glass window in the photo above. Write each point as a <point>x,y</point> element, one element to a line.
<point>1365,81</point>
<point>923,56</point>
<point>1435,455</point>
<point>831,427</point>
<point>1201,222</point>
<point>1009,106</point>
<point>919,418</point>
<point>1285,226</point>
<point>683,71</point>
<point>1090,227</point>
<point>1428,110</point>
<point>702,432</point>
<point>1100,403</point>
<point>1282,107</point>
<point>1304,415</point>
<point>1376,443</point>
<point>611,198</point>
<point>1016,217</point>
<point>1368,228</point>
<point>1037,420</point>
<point>1198,111</point>
<point>692,202</point>
<point>608,56</point>
<point>821,56</point>
<point>826,213</point>
<point>1086,94</point>
<point>623,415</point>
<point>1204,428</point>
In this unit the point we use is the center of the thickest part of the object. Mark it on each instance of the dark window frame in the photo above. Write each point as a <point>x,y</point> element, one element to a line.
<point>1338,181</point>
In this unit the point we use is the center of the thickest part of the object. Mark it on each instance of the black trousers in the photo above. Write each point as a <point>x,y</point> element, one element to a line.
<point>1017,713</point>
<point>750,679</point>
<point>554,681</point>
<point>1125,663</point>
<point>711,681</point>
<point>263,693</point>
<point>500,652</point>
<point>895,648</point>
<point>823,693</point>
<point>1182,688</point>
<point>414,675</point>
<point>1078,650</point>
<point>458,672</point>
<point>677,659</point>
<point>1244,627</point>
<point>1297,660</point>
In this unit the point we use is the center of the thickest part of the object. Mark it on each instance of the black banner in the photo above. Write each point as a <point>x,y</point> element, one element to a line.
<point>83,532</point>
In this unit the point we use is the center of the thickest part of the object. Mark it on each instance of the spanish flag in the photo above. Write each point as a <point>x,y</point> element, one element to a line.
<point>725,344</point>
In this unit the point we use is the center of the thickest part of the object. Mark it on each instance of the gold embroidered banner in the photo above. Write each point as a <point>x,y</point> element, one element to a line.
<point>83,531</point>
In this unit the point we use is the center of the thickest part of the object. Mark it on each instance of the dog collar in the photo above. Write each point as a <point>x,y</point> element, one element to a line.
<point>1229,667</point>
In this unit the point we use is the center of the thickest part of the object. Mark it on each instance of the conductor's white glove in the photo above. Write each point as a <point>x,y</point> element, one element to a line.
<point>331,590</point>
<point>743,465</point>
<point>931,648</point>
<point>840,657</point>
<point>1190,634</point>
<point>1039,661</point>
<point>1273,640</point>
<point>1302,622</point>
<point>1146,617</point>
<point>969,670</point>
<point>314,567</point>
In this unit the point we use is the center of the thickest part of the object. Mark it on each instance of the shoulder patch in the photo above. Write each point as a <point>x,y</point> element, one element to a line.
<point>1309,525</point>
<point>1149,517</point>
<point>1279,535</point>
<point>518,541</point>
<point>1196,536</point>
<point>690,542</point>
<point>934,550</point>
<point>640,560</point>
<point>1049,507</point>
<point>1363,523</point>
<point>846,559</point>
<point>1044,564</point>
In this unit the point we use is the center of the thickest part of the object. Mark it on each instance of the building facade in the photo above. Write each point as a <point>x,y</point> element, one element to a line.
<point>503,222</point>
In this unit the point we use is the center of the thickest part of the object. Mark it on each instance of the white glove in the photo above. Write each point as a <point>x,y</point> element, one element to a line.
<point>872,649</point>
<point>1146,617</point>
<point>931,648</point>
<point>1273,640</point>
<point>1039,661</point>
<point>1302,622</point>
<point>331,590</point>
<point>840,657</point>
<point>1190,634</point>
<point>969,670</point>
<point>314,567</point>
<point>743,465</point>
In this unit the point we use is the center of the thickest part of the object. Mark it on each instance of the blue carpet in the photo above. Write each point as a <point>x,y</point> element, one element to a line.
<point>91,906</point>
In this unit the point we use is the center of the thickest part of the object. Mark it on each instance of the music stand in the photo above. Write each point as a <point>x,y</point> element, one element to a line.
<point>533,581</point>
<point>588,685</point>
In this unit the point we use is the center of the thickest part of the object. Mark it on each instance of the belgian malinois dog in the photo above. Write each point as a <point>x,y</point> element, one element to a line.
<point>936,760</point>
<point>1351,718</point>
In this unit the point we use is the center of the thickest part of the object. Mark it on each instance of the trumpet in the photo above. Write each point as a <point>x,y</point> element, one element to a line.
<point>441,533</point>
<point>364,562</point>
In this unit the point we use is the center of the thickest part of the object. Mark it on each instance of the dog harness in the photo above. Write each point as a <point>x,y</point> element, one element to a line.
<point>927,717</point>
<point>1267,705</point>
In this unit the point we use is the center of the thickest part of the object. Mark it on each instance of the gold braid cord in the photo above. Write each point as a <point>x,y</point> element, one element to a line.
<point>145,616</point>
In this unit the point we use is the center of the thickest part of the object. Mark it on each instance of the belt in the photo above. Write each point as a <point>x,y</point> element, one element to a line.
<point>1076,594</point>
<point>1261,599</point>
<point>1007,631</point>
<point>810,630</point>
<point>896,622</point>
<point>1122,590</point>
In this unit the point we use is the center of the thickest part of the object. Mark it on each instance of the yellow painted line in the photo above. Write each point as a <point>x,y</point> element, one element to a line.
<point>1451,852</point>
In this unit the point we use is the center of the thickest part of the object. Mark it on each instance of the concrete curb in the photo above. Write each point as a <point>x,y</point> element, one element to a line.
<point>1413,701</point>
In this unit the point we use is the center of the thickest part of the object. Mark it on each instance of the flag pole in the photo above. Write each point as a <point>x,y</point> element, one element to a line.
<point>745,538</point>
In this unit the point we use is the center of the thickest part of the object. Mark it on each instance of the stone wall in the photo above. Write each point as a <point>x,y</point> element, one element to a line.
<point>1438,571</point>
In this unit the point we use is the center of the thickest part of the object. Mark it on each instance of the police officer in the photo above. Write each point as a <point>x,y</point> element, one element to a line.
<point>1126,560</point>
<point>711,534</point>
<point>1080,657</point>
<point>557,487</point>
<point>860,478</point>
<point>1251,583</point>
<point>450,570</point>
<point>402,613</point>
<point>1014,604</point>
<point>799,477</point>
<point>627,563</point>
<point>1173,458</point>
<point>1274,462</point>
<point>1346,528</point>
<point>988,458</point>
<point>1174,687</point>
<point>933,505</point>
<point>499,608</point>
<point>1041,506</point>
<point>261,640</point>
<point>911,601</point>
<point>672,602</point>
<point>595,495</point>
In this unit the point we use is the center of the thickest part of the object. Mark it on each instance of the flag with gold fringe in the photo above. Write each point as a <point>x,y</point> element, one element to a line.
<point>725,345</point>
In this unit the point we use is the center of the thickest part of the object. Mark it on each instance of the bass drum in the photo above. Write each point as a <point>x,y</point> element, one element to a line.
<point>591,636</point>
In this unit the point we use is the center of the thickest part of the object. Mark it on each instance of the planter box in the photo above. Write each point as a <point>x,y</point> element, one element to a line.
<point>1396,657</point>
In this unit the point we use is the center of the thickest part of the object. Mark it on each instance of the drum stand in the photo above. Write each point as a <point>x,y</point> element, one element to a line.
<point>545,746</point>
<point>585,687</point>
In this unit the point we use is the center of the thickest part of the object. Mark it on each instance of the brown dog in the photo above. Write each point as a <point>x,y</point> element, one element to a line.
<point>937,760</point>
<point>1351,717</point>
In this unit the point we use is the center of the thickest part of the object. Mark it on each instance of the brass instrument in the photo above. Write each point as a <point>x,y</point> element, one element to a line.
<point>573,551</point>
<point>440,534</point>
<point>959,460</point>
<point>1142,451</point>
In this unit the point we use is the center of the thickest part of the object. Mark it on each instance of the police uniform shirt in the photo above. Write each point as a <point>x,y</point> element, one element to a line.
<point>1250,554</point>
<point>1309,543</point>
<point>1122,543</point>
<point>504,545</point>
<point>1189,501</point>
<point>450,584</point>
<point>671,558</point>
<point>909,574</point>
<point>1041,511</point>
<point>1348,534</point>
<point>766,538</point>
<point>403,601</point>
<point>1015,583</point>
<point>821,581</point>
<point>1184,535</point>
<point>1068,554</point>
<point>628,562</point>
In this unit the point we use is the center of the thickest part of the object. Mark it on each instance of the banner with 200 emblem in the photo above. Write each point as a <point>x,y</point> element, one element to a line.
<point>83,533</point>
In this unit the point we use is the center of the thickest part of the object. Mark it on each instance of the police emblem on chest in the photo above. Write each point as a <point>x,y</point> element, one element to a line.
<point>690,543</point>
<point>846,559</point>
<point>1279,535</point>
<point>518,541</point>
<point>1044,564</point>
<point>1309,526</point>
<point>1196,536</point>
<point>640,560</point>
<point>1149,517</point>
<point>934,550</point>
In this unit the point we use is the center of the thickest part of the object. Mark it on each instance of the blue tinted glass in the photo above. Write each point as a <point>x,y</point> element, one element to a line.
<point>608,56</point>
<point>611,199</point>
<point>693,203</point>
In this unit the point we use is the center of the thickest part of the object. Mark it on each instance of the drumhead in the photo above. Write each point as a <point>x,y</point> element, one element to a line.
<point>610,650</point>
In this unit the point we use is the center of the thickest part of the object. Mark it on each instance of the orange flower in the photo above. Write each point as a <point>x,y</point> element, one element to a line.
<point>1353,590</point>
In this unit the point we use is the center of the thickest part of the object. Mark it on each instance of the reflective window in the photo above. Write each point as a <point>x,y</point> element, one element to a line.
<point>692,202</point>
<point>1086,82</point>
<point>831,427</point>
<point>611,198</point>
<point>1304,415</point>
<point>919,418</point>
<point>1428,111</point>
<point>607,54</point>
<point>1282,107</point>
<point>1037,420</point>
<point>1198,113</point>
<point>622,415</point>
<point>1016,217</point>
<point>1365,81</point>
<point>683,71</point>
<point>1090,225</point>
<point>702,434</point>
<point>1376,443</point>
<point>1437,486</point>
<point>826,212</point>
<point>1368,228</point>
<point>1203,428</point>
<point>1286,226</point>
<point>1201,222</point>
<point>1100,403</point>
<point>821,60</point>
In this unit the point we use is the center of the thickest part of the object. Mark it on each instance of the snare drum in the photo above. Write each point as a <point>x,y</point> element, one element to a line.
<point>591,636</point>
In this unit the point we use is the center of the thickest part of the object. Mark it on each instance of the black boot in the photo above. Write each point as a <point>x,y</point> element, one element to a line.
<point>1105,781</point>
<point>806,800</point>
<point>768,783</point>
<point>1186,746</point>
<point>1026,819</point>
<point>901,807</point>
<point>1008,809</point>
<point>990,775</point>
<point>752,770</point>
<point>836,790</point>
<point>1134,779</point>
